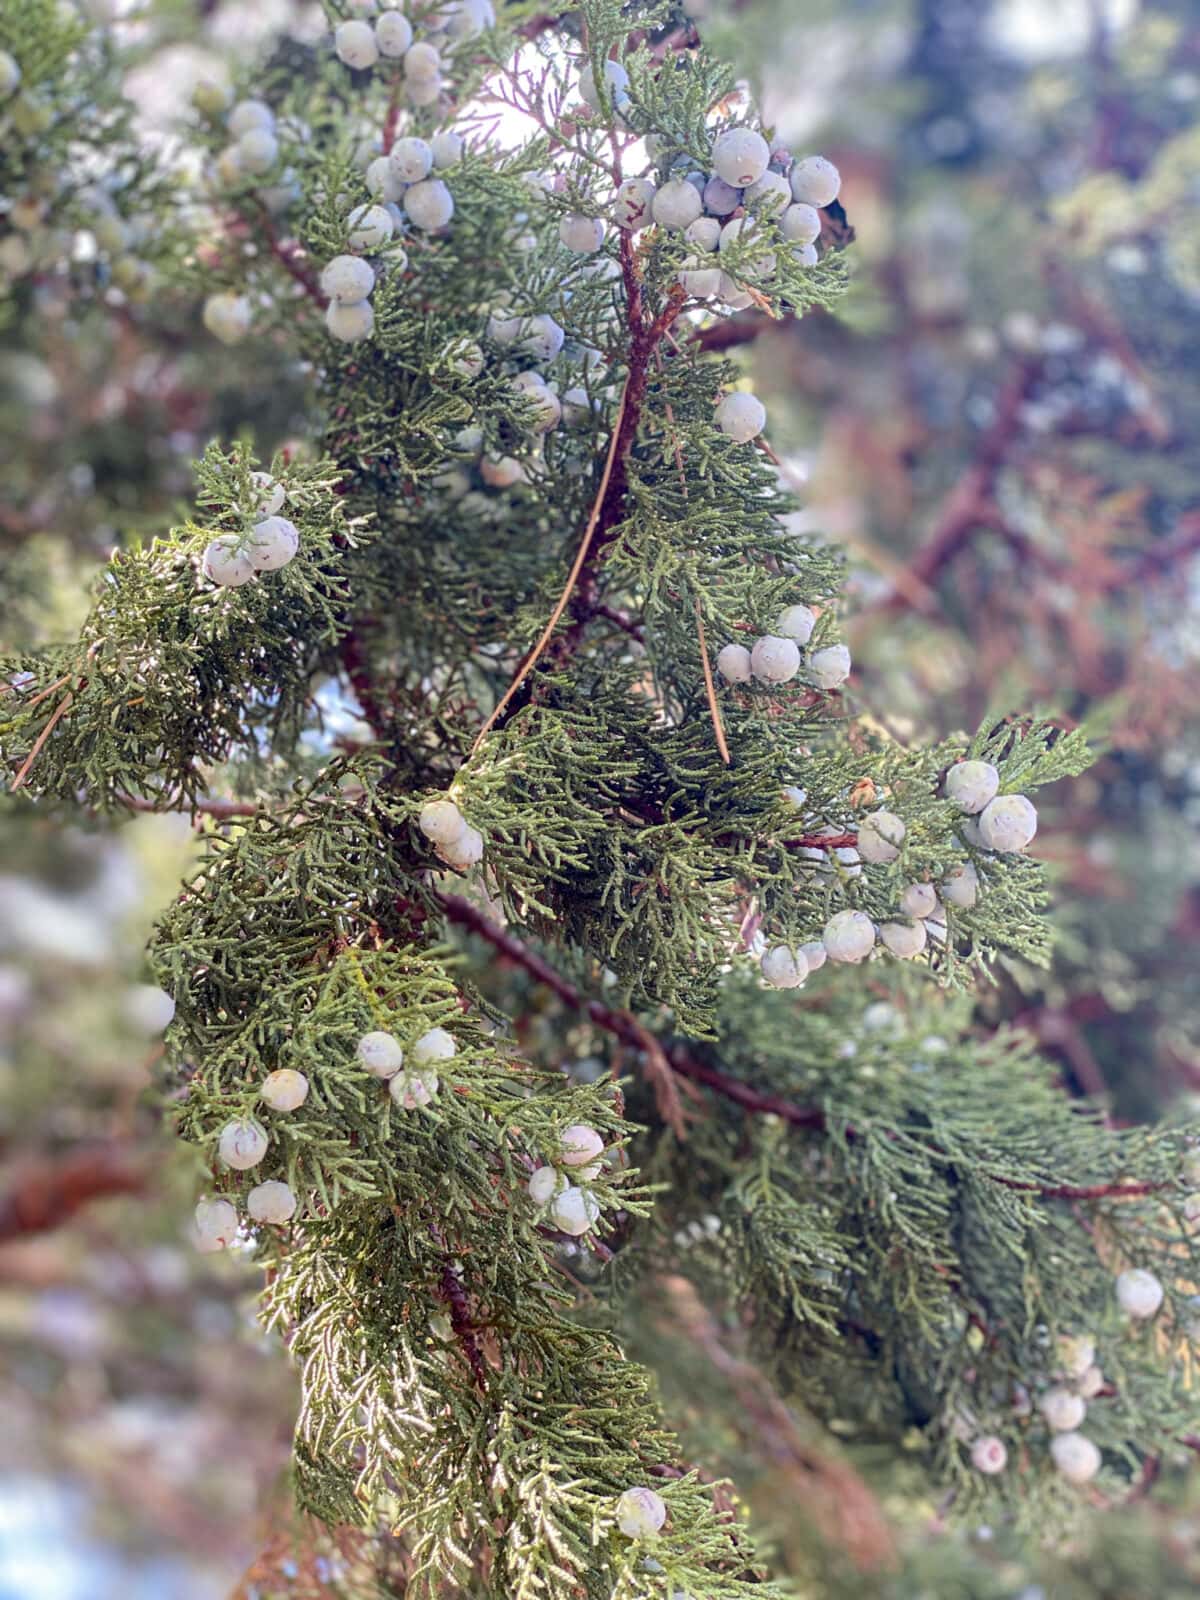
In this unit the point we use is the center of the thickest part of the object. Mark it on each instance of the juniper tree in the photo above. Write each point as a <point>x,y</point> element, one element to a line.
<point>484,1017</point>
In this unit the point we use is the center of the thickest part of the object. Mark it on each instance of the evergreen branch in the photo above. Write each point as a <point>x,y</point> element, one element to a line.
<point>762,1102</point>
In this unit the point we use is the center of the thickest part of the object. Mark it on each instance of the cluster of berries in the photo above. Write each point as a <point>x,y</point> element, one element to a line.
<point>1063,1405</point>
<point>243,1141</point>
<point>266,544</point>
<point>573,1209</point>
<point>777,657</point>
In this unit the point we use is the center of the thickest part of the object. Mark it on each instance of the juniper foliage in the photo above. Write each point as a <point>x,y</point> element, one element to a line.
<point>908,1218</point>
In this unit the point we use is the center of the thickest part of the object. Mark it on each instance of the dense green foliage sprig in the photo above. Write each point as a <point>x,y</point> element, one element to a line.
<point>528,619</point>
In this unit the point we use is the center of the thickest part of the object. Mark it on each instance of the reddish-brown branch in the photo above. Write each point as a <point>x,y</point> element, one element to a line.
<point>293,260</point>
<point>970,504</point>
<point>687,1065</point>
<point>455,1297</point>
<point>354,658</point>
<point>222,810</point>
<point>732,331</point>
<point>47,1193</point>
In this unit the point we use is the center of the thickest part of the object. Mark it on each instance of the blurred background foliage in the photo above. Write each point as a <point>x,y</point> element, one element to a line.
<point>1001,425</point>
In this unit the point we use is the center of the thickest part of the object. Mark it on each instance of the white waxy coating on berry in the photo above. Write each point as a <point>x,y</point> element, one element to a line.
<point>576,408</point>
<point>775,660</point>
<point>284,1089</point>
<point>242,1143</point>
<point>258,150</point>
<point>1062,1409</point>
<point>422,91</point>
<point>436,1044</point>
<point>771,193</point>
<point>1090,1382</point>
<point>700,281</point>
<point>505,330</point>
<point>447,148</point>
<point>422,63</point>
<point>632,208</point>
<point>583,235</point>
<point>747,230</point>
<point>248,114</point>
<point>411,159</point>
<point>960,886</point>
<point>541,336</point>
<point>581,1145</point>
<point>880,836</point>
<point>849,936</point>
<point>742,416</point>
<point>216,1225</point>
<point>544,1184</point>
<point>801,224</point>
<point>815,181</point>
<point>271,1202</point>
<point>465,851</point>
<point>271,494</point>
<point>354,43</point>
<point>733,663</point>
<point>441,821</point>
<point>806,255</point>
<point>429,205</point>
<point>1076,1352</point>
<point>720,198</point>
<point>906,940</point>
<point>468,17</point>
<point>548,410</point>
<point>1139,1293</point>
<point>740,156</point>
<point>412,1089</point>
<point>830,666</point>
<point>616,80</point>
<point>369,227</point>
<point>272,543</point>
<point>704,233</point>
<point>465,357</point>
<point>348,278</point>
<point>640,1513</point>
<point>1007,823</point>
<point>382,182</point>
<point>227,316</point>
<point>1076,1457</point>
<point>10,74</point>
<point>971,785</point>
<point>796,622</point>
<point>502,472</point>
<point>815,953</point>
<point>676,205</point>
<point>393,34</point>
<point>784,968</point>
<point>349,322</point>
<point>988,1455</point>
<point>148,1008</point>
<point>574,1211</point>
<point>226,563</point>
<point>919,900</point>
<point>380,1053</point>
